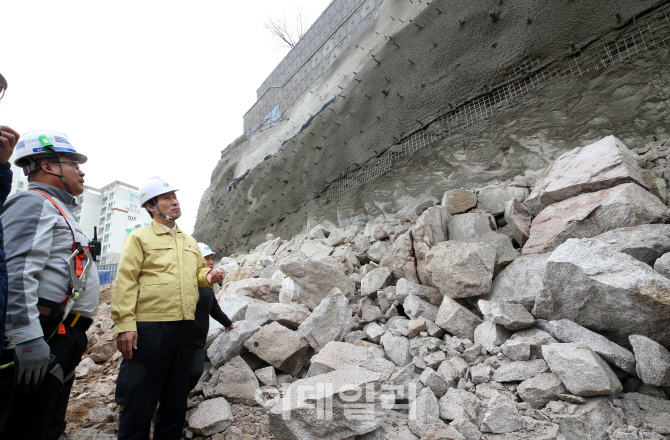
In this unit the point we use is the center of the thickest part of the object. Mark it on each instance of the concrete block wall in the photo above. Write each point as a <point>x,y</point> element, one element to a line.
<point>312,56</point>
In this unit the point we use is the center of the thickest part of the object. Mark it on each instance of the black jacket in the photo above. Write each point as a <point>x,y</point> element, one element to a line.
<point>207,305</point>
<point>5,187</point>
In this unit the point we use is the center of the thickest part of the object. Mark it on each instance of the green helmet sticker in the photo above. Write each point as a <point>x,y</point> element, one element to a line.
<point>46,144</point>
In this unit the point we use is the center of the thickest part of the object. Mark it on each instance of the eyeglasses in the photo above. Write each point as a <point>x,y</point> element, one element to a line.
<point>72,162</point>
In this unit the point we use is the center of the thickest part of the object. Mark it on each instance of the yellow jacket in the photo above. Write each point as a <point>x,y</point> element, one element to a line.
<point>158,278</point>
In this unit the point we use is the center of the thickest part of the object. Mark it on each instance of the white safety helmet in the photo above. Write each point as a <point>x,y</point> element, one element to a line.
<point>205,250</point>
<point>135,225</point>
<point>154,186</point>
<point>43,143</point>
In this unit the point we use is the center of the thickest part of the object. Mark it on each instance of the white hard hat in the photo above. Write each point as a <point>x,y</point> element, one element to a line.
<point>154,186</point>
<point>205,250</point>
<point>43,143</point>
<point>136,225</point>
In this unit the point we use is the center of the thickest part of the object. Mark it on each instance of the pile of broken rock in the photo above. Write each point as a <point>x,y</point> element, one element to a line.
<point>538,308</point>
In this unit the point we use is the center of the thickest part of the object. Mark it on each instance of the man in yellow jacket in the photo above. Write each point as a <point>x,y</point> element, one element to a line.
<point>153,306</point>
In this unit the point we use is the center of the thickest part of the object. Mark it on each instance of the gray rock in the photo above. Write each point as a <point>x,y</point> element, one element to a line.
<point>509,315</point>
<point>592,284</point>
<point>424,412</point>
<point>211,416</point>
<point>565,330</point>
<point>315,250</point>
<point>520,370</point>
<point>501,416</point>
<point>397,348</point>
<point>235,311</point>
<point>489,335</point>
<point>434,381</point>
<point>467,429</point>
<point>505,252</point>
<point>374,331</point>
<point>370,313</point>
<point>267,376</point>
<point>458,201</point>
<point>603,164</point>
<point>520,282</point>
<point>460,404</point>
<point>400,258</point>
<point>468,227</point>
<point>429,229</point>
<point>415,307</point>
<point>293,419</point>
<point>329,321</point>
<point>415,326</point>
<point>337,237</point>
<point>591,214</point>
<point>493,199</point>
<point>581,370</point>
<point>288,315</point>
<point>644,242</point>
<point>653,361</point>
<point>535,338</point>
<point>519,220</point>
<point>375,280</point>
<point>461,270</point>
<point>98,415</point>
<point>541,389</point>
<point>395,427</point>
<point>280,347</point>
<point>588,421</point>
<point>429,294</point>
<point>662,265</point>
<point>230,344</point>
<point>646,412</point>
<point>268,272</point>
<point>516,350</point>
<point>456,319</point>
<point>480,373</point>
<point>315,280</point>
<point>343,356</point>
<point>377,251</point>
<point>256,288</point>
<point>237,382</point>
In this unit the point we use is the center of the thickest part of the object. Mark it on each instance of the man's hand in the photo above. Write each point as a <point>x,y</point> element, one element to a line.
<point>30,364</point>
<point>126,342</point>
<point>215,276</point>
<point>227,329</point>
<point>8,139</point>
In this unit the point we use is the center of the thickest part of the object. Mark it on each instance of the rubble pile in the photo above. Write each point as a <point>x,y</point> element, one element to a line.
<point>537,308</point>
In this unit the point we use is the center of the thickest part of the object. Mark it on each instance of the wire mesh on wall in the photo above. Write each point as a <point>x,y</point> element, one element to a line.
<point>642,35</point>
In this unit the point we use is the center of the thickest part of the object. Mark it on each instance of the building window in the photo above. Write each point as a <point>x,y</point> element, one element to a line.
<point>20,185</point>
<point>106,239</point>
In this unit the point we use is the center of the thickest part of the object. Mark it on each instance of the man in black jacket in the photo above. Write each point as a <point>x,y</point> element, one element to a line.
<point>207,306</point>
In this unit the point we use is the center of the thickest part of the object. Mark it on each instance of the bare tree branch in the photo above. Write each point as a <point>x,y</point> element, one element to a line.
<point>287,32</point>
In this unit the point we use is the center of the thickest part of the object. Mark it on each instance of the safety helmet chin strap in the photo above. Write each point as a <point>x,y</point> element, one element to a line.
<point>33,166</point>
<point>166,217</point>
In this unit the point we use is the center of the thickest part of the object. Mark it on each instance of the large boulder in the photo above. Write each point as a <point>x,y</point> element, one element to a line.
<point>653,361</point>
<point>429,229</point>
<point>458,201</point>
<point>345,356</point>
<point>460,269</point>
<point>456,319</point>
<point>565,330</point>
<point>330,321</point>
<point>397,348</point>
<point>604,290</point>
<point>211,416</point>
<point>298,417</point>
<point>415,307</point>
<point>581,370</point>
<point>591,214</point>
<point>237,382</point>
<point>646,243</point>
<point>375,280</point>
<point>541,389</point>
<point>520,282</point>
<point>468,227</point>
<point>603,164</point>
<point>230,344</point>
<point>494,198</point>
<point>315,280</point>
<point>256,288</point>
<point>519,220</point>
<point>509,315</point>
<point>315,250</point>
<point>288,315</point>
<point>280,347</point>
<point>429,294</point>
<point>400,258</point>
<point>505,251</point>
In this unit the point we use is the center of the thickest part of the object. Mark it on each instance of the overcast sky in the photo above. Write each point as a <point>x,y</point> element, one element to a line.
<point>142,87</point>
